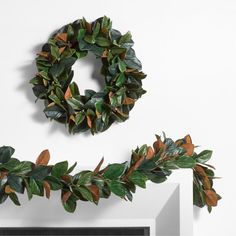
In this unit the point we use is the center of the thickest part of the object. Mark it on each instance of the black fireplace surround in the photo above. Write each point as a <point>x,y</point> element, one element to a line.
<point>94,231</point>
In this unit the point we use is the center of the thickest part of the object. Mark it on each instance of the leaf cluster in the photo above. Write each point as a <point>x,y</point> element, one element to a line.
<point>154,163</point>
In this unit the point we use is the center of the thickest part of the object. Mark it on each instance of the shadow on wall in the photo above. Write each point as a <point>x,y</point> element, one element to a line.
<point>29,70</point>
<point>196,212</point>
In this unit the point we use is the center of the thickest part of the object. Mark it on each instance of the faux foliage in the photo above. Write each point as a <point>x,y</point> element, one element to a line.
<point>94,111</point>
<point>154,163</point>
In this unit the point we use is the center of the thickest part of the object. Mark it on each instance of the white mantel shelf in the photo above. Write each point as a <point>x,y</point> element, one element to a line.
<point>166,208</point>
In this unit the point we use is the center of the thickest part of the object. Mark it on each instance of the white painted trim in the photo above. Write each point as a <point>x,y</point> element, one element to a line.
<point>174,196</point>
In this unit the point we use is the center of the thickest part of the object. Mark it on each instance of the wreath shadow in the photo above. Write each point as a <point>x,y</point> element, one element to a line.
<point>29,70</point>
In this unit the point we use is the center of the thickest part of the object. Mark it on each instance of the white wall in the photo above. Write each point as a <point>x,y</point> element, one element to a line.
<point>188,50</point>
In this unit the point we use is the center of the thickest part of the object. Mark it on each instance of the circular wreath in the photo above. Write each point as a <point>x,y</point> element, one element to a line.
<point>146,163</point>
<point>120,67</point>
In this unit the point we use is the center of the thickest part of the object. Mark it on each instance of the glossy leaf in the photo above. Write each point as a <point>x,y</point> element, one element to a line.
<point>70,206</point>
<point>60,169</point>
<point>138,178</point>
<point>85,193</point>
<point>36,187</point>
<point>40,172</point>
<point>117,188</point>
<point>85,178</point>
<point>14,199</point>
<point>204,156</point>
<point>54,182</point>
<point>103,42</point>
<point>185,162</point>
<point>114,171</point>
<point>15,182</point>
<point>5,153</point>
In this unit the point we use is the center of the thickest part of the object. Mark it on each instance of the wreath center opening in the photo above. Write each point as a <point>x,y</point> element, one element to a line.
<point>87,73</point>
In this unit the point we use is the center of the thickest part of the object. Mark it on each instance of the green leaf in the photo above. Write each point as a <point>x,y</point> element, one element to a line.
<point>122,66</point>
<point>34,81</point>
<point>81,34</point>
<point>54,112</point>
<point>129,195</point>
<point>68,53</point>
<point>55,99</point>
<point>59,93</point>
<point>125,38</point>
<point>99,106</point>
<point>209,208</point>
<point>40,172</point>
<point>204,156</point>
<point>89,39</point>
<point>79,118</point>
<point>5,153</point>
<point>54,182</point>
<point>147,165</point>
<point>60,169</point>
<point>88,93</point>
<point>209,172</point>
<point>55,51</point>
<point>100,126</point>
<point>138,178</point>
<point>115,34</point>
<point>57,69</point>
<point>29,191</point>
<point>23,168</point>
<point>14,199</point>
<point>117,188</point>
<point>170,165</point>
<point>44,75</point>
<point>71,168</point>
<point>96,50</point>
<point>198,197</point>
<point>114,171</point>
<point>16,183</point>
<point>96,30</point>
<point>68,62</point>
<point>185,162</point>
<point>70,32</point>
<point>11,164</point>
<point>84,46</point>
<point>74,89</point>
<point>52,41</point>
<point>85,193</point>
<point>3,196</point>
<point>143,150</point>
<point>70,205</point>
<point>120,80</point>
<point>105,21</point>
<point>114,101</point>
<point>40,91</point>
<point>133,63</point>
<point>103,42</point>
<point>75,104</point>
<point>36,187</point>
<point>81,54</point>
<point>85,177</point>
<point>117,50</point>
<point>156,177</point>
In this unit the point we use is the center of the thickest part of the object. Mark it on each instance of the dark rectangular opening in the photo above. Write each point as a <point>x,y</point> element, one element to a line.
<point>94,231</point>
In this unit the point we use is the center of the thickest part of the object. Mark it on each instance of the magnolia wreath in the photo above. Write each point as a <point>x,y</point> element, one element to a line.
<point>147,163</point>
<point>120,67</point>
